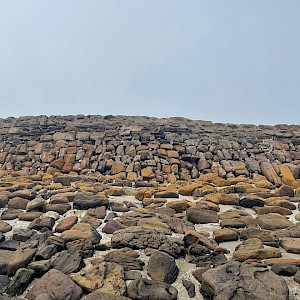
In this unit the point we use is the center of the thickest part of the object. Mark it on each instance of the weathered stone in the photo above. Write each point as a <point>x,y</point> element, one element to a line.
<point>162,267</point>
<point>56,284</point>
<point>81,231</point>
<point>273,221</point>
<point>20,282</point>
<point>66,224</point>
<point>106,277</point>
<point>225,235</point>
<point>284,270</point>
<point>250,201</point>
<point>19,259</point>
<point>291,245</point>
<point>99,295</point>
<point>200,214</point>
<point>5,256</point>
<point>144,289</point>
<point>5,227</point>
<point>68,261</point>
<point>235,281</point>
<point>84,201</point>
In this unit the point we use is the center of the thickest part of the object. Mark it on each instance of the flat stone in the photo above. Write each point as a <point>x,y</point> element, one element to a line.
<point>225,235</point>
<point>29,216</point>
<point>10,214</point>
<point>5,256</point>
<point>98,295</point>
<point>200,214</point>
<point>83,201</point>
<point>66,224</point>
<point>284,270</point>
<point>273,221</point>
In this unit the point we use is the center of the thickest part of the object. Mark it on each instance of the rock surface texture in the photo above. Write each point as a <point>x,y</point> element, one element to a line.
<point>115,207</point>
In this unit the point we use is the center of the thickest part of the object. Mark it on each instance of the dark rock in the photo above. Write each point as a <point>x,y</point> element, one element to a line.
<point>38,224</point>
<point>234,281</point>
<point>162,267</point>
<point>45,252</point>
<point>4,282</point>
<point>250,201</point>
<point>20,281</point>
<point>22,235</point>
<point>145,289</point>
<point>284,270</point>
<point>190,288</point>
<point>11,245</point>
<point>68,261</point>
<point>84,201</point>
<point>56,284</point>
<point>40,267</point>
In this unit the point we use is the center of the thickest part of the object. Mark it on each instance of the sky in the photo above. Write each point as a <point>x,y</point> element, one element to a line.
<point>227,61</point>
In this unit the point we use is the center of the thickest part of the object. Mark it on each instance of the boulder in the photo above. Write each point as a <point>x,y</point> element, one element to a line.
<point>162,267</point>
<point>234,281</point>
<point>200,214</point>
<point>57,285</point>
<point>273,221</point>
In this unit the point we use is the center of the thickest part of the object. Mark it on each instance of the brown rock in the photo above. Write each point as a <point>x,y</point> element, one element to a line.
<point>273,221</point>
<point>66,224</point>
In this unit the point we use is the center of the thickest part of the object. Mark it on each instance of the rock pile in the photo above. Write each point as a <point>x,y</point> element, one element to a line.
<point>142,208</point>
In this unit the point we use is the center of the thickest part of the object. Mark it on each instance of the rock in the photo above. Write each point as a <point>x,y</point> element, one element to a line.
<point>59,208</point>
<point>272,209</point>
<point>25,194</point>
<point>44,296</point>
<point>291,245</point>
<point>162,267</point>
<point>40,223</point>
<point>125,257</point>
<point>177,225</point>
<point>284,270</point>
<point>136,237</point>
<point>179,205</point>
<point>4,282</point>
<point>4,259</point>
<point>225,235</point>
<point>190,288</point>
<point>29,216</point>
<point>91,220</point>
<point>57,285</point>
<point>45,252</point>
<point>10,214</point>
<point>19,259</point>
<point>66,224</point>
<point>5,227</point>
<point>273,221</point>
<point>145,289</point>
<point>22,235</point>
<point>106,277</point>
<point>264,235</point>
<point>98,295</point>
<point>166,194</point>
<point>17,203</point>
<point>154,223</point>
<point>234,281</point>
<point>250,201</point>
<point>200,214</point>
<point>284,190</point>
<point>11,245</point>
<point>269,172</point>
<point>189,189</point>
<point>81,231</point>
<point>68,262</point>
<point>37,204</point>
<point>111,226</point>
<point>84,201</point>
<point>20,281</point>
<point>40,267</point>
<point>253,249</point>
<point>193,237</point>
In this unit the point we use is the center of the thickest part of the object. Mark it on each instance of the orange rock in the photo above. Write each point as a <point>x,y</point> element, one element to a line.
<point>287,175</point>
<point>188,189</point>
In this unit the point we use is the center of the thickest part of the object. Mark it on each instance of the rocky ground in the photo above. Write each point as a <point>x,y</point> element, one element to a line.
<point>141,208</point>
<point>101,240</point>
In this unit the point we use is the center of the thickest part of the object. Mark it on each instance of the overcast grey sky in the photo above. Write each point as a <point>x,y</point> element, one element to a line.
<point>227,61</point>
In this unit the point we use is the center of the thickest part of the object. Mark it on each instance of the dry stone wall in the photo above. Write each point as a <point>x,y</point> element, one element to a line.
<point>146,148</point>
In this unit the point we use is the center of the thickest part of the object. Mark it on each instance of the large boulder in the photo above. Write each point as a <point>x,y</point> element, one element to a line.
<point>162,267</point>
<point>56,284</point>
<point>234,281</point>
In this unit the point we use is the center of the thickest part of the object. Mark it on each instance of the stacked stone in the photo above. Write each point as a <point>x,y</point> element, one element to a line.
<point>143,148</point>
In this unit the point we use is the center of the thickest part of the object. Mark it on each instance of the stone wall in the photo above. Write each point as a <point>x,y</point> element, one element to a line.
<point>146,148</point>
